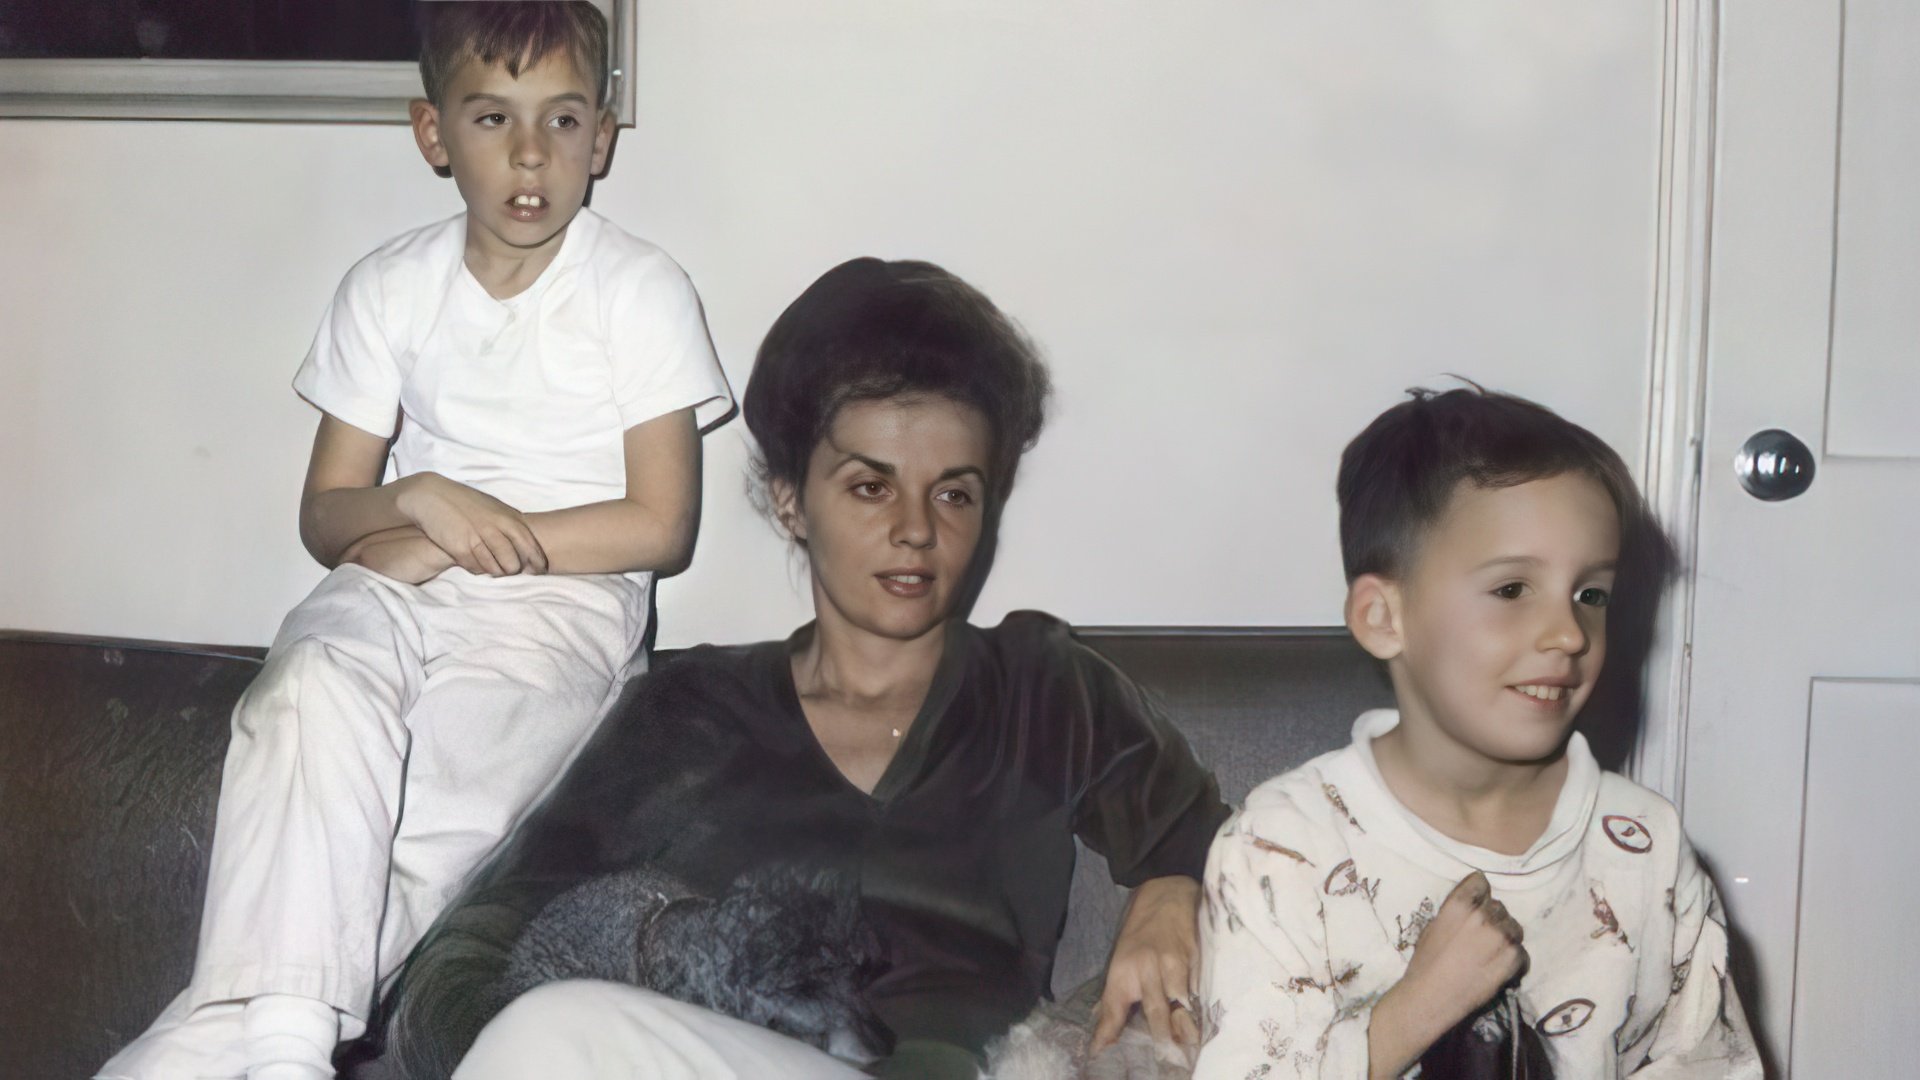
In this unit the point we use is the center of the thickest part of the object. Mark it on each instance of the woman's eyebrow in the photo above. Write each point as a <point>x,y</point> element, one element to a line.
<point>965,470</point>
<point>875,464</point>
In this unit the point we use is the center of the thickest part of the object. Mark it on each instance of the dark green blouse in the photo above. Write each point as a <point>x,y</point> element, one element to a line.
<point>963,852</point>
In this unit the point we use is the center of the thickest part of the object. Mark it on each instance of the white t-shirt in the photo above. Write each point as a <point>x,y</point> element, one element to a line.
<point>525,399</point>
<point>1317,891</point>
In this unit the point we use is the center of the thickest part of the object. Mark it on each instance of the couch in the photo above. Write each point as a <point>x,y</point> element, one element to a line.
<point>110,757</point>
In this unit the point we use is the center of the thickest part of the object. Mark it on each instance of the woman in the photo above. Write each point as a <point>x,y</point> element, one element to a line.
<point>944,768</point>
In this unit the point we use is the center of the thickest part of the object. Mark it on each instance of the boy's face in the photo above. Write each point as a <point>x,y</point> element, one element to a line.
<point>1497,631</point>
<point>521,149</point>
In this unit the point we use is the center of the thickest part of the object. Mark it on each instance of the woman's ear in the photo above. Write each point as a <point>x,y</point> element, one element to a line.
<point>786,509</point>
<point>1373,615</point>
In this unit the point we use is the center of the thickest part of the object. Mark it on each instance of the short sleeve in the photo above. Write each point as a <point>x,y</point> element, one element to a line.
<point>1148,806</point>
<point>661,353</point>
<point>351,372</point>
<point>1272,1005</point>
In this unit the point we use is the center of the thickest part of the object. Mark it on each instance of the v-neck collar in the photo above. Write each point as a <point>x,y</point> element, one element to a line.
<point>910,757</point>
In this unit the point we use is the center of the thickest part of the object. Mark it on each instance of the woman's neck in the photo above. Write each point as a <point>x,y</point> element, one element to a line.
<point>865,672</point>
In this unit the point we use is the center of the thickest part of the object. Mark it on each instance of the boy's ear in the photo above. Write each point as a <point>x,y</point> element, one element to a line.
<point>786,508</point>
<point>1373,615</point>
<point>426,133</point>
<point>603,143</point>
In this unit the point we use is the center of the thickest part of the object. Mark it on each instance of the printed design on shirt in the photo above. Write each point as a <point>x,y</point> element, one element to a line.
<point>1565,1018</point>
<point>1264,844</point>
<point>1279,1043</point>
<point>1603,912</point>
<point>1345,880</point>
<point>1259,1071</point>
<point>1300,984</point>
<point>1680,972</point>
<point>1627,834</point>
<point>1413,926</point>
<point>1266,893</point>
<point>1340,804</point>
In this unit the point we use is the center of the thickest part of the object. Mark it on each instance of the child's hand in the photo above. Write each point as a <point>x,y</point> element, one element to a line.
<point>1470,950</point>
<point>479,532</point>
<point>403,554</point>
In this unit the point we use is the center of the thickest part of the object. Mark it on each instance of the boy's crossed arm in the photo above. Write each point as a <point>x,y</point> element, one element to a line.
<point>419,525</point>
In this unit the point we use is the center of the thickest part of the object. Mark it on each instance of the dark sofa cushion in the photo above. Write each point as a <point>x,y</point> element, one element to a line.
<point>110,758</point>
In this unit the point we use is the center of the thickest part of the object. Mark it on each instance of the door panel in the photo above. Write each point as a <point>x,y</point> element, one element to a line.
<point>1859,942</point>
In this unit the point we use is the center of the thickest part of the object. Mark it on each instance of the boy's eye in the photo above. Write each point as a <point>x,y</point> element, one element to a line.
<point>1594,596</point>
<point>1512,590</point>
<point>565,122</point>
<point>493,119</point>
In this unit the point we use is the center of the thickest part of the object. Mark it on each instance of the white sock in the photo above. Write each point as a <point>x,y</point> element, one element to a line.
<point>289,1037</point>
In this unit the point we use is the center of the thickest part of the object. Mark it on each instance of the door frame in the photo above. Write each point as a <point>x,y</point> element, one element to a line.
<point>1677,369</point>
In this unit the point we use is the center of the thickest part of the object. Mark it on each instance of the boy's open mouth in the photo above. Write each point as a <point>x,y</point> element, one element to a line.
<point>526,206</point>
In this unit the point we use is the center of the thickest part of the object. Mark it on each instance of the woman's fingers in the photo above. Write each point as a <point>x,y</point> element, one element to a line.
<point>1114,1006</point>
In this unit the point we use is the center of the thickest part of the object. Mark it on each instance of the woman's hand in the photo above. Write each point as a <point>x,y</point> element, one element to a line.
<point>1155,961</point>
<point>482,534</point>
<point>404,554</point>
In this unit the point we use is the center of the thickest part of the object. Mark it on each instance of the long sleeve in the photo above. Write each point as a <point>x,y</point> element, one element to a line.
<point>1703,1032</point>
<point>1274,1004</point>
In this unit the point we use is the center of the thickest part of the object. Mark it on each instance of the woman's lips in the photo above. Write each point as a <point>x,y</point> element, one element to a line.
<point>906,584</point>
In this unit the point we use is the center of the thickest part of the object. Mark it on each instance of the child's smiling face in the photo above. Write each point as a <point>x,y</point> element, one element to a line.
<point>521,150</point>
<point>1499,625</point>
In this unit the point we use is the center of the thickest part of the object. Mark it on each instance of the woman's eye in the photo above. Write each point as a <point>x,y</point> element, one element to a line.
<point>869,489</point>
<point>1594,597</point>
<point>957,497</point>
<point>1512,590</point>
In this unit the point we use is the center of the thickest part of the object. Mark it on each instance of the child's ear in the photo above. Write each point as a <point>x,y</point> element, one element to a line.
<point>603,142</point>
<point>1373,615</point>
<point>786,509</point>
<point>426,133</point>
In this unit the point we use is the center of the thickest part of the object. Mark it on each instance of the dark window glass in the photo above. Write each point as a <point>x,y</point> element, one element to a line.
<point>208,29</point>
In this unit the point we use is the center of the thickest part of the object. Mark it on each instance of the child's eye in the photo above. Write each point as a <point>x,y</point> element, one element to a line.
<point>565,122</point>
<point>492,119</point>
<point>1512,590</point>
<point>1594,596</point>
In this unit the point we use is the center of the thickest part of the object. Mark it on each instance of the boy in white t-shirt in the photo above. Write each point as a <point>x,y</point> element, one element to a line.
<point>1463,883</point>
<point>533,383</point>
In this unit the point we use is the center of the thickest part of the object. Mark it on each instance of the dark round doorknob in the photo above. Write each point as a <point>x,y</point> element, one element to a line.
<point>1773,465</point>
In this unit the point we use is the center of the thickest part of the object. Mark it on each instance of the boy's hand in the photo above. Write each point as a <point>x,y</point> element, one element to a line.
<point>403,554</point>
<point>479,532</point>
<point>1465,955</point>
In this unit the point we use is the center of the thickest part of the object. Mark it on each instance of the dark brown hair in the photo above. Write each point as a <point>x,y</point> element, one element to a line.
<point>1397,477</point>
<point>869,329</point>
<point>517,33</point>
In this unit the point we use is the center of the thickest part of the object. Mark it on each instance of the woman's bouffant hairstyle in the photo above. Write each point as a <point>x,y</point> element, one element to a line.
<point>870,329</point>
<point>517,33</point>
<point>1397,476</point>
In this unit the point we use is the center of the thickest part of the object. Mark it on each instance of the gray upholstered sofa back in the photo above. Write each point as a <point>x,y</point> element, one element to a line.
<point>110,757</point>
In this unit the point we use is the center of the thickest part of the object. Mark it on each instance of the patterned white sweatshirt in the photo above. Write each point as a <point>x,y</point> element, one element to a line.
<point>1317,891</point>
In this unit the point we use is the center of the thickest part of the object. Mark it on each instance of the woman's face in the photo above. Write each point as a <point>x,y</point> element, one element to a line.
<point>891,511</point>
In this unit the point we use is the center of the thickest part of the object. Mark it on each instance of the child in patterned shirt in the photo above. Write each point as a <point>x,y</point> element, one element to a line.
<point>1464,869</point>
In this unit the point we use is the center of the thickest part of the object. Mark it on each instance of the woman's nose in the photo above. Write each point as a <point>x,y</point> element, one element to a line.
<point>913,524</point>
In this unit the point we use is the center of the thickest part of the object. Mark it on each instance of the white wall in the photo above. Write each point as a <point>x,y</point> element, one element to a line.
<point>1238,227</point>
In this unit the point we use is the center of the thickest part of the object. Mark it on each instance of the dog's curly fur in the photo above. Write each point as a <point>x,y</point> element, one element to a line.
<point>782,947</point>
<point>1051,1044</point>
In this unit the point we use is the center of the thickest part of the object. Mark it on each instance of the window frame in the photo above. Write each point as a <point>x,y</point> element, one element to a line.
<point>306,91</point>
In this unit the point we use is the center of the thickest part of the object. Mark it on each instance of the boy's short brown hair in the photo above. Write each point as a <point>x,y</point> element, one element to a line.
<point>517,33</point>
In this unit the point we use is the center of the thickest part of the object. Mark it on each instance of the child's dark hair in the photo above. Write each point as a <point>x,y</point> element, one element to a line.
<point>869,329</point>
<point>1397,476</point>
<point>517,33</point>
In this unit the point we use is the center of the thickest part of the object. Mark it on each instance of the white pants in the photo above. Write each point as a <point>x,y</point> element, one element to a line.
<point>395,735</point>
<point>584,1030</point>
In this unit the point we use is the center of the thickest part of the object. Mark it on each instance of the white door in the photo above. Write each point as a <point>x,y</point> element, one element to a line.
<point>1802,753</point>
